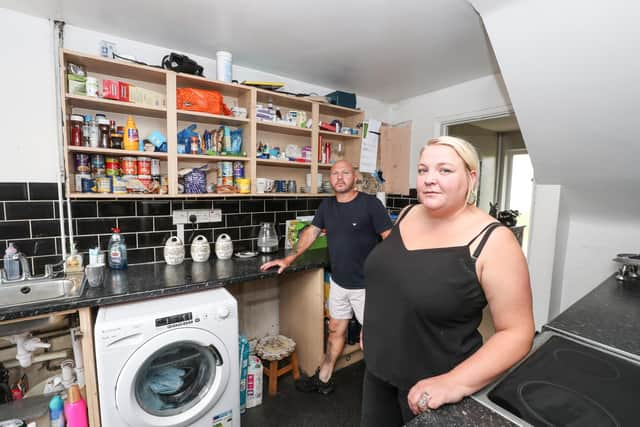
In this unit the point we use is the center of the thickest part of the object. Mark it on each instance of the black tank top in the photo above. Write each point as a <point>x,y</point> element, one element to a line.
<point>423,308</point>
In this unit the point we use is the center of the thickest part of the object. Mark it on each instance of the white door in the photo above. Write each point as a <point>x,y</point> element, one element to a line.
<point>173,379</point>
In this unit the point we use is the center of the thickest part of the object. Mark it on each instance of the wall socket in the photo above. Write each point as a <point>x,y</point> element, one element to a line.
<point>201,215</point>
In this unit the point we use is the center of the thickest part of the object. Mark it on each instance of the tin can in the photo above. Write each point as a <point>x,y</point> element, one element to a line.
<point>97,165</point>
<point>129,165</point>
<point>118,185</point>
<point>144,166</point>
<point>226,180</point>
<point>79,177</point>
<point>238,169</point>
<point>125,179</point>
<point>145,180</point>
<point>87,185</point>
<point>243,185</point>
<point>112,166</point>
<point>155,167</point>
<point>225,169</point>
<point>82,163</point>
<point>103,184</point>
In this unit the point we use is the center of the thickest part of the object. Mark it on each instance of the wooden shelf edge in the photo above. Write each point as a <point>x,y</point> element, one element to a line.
<point>115,152</point>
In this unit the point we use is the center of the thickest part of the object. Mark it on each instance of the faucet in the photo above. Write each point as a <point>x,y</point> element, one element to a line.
<point>49,271</point>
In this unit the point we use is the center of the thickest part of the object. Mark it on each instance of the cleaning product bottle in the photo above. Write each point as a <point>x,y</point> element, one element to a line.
<point>74,261</point>
<point>11,262</point>
<point>75,409</point>
<point>56,411</point>
<point>117,251</point>
<point>131,139</point>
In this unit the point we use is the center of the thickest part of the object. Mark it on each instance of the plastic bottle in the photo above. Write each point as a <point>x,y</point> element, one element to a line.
<point>75,409</point>
<point>117,251</point>
<point>131,139</point>
<point>223,66</point>
<point>11,263</point>
<point>56,411</point>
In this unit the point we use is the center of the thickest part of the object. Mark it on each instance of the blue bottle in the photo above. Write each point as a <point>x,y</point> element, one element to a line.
<point>117,251</point>
<point>56,411</point>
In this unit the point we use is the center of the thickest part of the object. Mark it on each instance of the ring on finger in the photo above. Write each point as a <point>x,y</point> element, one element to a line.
<point>424,401</point>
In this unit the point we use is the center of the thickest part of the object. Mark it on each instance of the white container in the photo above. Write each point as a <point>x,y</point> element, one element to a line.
<point>223,66</point>
<point>200,249</point>
<point>91,86</point>
<point>254,382</point>
<point>174,251</point>
<point>224,246</point>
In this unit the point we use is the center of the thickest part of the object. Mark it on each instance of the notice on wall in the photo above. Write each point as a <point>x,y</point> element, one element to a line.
<point>369,147</point>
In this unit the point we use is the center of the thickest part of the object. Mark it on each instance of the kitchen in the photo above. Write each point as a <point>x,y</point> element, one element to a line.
<point>564,70</point>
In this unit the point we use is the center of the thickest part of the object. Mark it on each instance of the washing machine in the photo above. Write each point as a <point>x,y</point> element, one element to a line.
<point>169,361</point>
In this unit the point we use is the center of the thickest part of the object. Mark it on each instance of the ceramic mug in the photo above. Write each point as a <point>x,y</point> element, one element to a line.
<point>174,251</point>
<point>261,184</point>
<point>268,188</point>
<point>281,186</point>
<point>200,249</point>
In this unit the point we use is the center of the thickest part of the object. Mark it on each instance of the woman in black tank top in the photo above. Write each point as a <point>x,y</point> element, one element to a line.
<point>427,285</point>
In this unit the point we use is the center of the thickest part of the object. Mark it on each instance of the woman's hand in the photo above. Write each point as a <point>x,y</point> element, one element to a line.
<point>431,393</point>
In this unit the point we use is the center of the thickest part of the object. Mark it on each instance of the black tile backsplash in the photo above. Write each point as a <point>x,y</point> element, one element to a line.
<point>28,213</point>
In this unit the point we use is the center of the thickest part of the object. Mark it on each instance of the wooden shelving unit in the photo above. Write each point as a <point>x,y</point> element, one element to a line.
<point>169,120</point>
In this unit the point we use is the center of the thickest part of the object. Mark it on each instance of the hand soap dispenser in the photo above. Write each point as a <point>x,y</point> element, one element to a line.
<point>74,261</point>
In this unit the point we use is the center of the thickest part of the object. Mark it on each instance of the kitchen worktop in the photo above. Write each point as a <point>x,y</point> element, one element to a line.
<point>145,281</point>
<point>609,315</point>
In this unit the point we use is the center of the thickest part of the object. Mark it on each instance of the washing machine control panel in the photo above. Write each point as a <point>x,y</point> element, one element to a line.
<point>175,320</point>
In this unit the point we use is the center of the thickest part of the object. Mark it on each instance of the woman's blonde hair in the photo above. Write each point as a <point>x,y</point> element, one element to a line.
<point>467,153</point>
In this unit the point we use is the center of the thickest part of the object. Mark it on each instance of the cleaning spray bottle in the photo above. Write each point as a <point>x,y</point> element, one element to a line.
<point>75,409</point>
<point>56,411</point>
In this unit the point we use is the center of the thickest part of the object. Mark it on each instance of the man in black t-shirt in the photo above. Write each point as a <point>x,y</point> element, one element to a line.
<point>354,223</point>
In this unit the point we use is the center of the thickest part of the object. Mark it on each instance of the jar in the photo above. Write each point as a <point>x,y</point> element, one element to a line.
<point>174,251</point>
<point>76,122</point>
<point>224,246</point>
<point>116,138</point>
<point>200,249</point>
<point>103,128</point>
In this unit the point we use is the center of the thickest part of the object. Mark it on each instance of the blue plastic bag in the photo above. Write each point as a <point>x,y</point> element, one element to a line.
<point>236,141</point>
<point>184,138</point>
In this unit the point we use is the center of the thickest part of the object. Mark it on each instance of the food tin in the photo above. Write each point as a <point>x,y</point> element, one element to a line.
<point>79,177</point>
<point>225,169</point>
<point>97,165</point>
<point>155,167</point>
<point>129,165</point>
<point>144,166</point>
<point>112,166</point>
<point>238,169</point>
<point>145,180</point>
<point>243,185</point>
<point>103,184</point>
<point>82,163</point>
<point>118,185</point>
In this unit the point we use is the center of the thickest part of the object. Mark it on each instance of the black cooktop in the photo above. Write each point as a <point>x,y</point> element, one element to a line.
<point>564,383</point>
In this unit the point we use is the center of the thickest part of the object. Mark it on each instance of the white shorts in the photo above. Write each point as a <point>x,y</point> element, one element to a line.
<point>343,303</point>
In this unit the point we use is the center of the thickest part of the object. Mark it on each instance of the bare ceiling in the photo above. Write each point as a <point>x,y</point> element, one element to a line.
<point>382,49</point>
<point>499,124</point>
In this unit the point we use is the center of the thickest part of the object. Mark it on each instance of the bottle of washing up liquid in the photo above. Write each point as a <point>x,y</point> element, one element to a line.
<point>75,409</point>
<point>117,251</point>
<point>131,139</point>
<point>56,411</point>
<point>11,263</point>
<point>74,261</point>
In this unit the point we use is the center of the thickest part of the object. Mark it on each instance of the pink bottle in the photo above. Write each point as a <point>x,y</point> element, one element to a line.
<point>75,409</point>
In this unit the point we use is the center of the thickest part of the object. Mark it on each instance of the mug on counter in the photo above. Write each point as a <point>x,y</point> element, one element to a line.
<point>280,186</point>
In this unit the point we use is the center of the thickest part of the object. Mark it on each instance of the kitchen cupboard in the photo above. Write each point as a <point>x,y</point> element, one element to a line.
<point>168,120</point>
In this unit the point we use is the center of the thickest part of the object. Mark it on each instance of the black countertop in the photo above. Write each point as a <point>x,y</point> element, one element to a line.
<point>608,315</point>
<point>467,413</point>
<point>158,279</point>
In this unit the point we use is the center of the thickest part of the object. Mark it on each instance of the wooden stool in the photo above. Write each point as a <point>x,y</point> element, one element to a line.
<point>274,349</point>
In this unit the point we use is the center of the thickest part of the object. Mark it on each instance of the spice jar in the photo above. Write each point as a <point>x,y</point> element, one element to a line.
<point>76,122</point>
<point>103,139</point>
<point>116,138</point>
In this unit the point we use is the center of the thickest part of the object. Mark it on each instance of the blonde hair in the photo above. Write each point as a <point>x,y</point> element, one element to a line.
<point>467,153</point>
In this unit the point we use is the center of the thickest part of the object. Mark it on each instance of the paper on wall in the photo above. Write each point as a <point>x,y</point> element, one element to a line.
<point>369,147</point>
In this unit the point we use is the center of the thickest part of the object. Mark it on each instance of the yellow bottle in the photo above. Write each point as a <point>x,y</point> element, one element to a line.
<point>131,139</point>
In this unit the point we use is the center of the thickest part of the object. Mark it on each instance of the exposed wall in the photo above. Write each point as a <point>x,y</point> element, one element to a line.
<point>29,119</point>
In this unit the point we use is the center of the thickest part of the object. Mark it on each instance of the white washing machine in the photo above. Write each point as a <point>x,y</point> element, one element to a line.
<point>169,361</point>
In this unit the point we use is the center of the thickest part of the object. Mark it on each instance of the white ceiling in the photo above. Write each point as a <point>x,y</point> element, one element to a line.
<point>499,124</point>
<point>382,49</point>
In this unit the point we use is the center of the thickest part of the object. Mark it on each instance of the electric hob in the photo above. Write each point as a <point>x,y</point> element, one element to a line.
<point>566,382</point>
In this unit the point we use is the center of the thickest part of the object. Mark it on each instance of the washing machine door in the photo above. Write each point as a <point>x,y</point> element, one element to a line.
<point>173,379</point>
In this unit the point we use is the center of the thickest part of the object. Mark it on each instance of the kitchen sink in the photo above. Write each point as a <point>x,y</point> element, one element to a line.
<point>565,381</point>
<point>33,291</point>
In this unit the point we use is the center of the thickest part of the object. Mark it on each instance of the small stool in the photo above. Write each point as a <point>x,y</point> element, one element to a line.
<point>274,349</point>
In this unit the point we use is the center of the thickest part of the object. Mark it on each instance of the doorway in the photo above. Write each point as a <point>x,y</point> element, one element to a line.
<point>506,172</point>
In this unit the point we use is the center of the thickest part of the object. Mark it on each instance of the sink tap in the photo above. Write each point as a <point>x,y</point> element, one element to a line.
<point>49,271</point>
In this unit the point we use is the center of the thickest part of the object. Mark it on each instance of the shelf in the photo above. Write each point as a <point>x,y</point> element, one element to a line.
<point>281,128</point>
<point>292,194</point>
<point>207,158</point>
<point>335,135</point>
<point>125,70</point>
<point>115,152</point>
<point>283,100</point>
<point>110,105</point>
<point>283,163</point>
<point>325,165</point>
<point>335,110</point>
<point>226,89</point>
<point>211,118</point>
<point>119,196</point>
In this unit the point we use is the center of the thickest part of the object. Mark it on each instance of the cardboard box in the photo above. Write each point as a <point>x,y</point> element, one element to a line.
<point>110,89</point>
<point>140,95</point>
<point>123,88</point>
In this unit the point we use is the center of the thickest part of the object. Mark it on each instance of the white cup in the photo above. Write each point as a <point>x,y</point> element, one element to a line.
<point>268,188</point>
<point>261,184</point>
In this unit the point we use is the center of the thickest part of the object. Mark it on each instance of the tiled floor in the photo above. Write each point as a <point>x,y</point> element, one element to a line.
<point>291,408</point>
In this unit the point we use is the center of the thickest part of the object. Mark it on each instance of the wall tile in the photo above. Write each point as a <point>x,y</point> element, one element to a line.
<point>128,225</point>
<point>116,208</point>
<point>136,256</point>
<point>85,242</point>
<point>154,207</point>
<point>47,228</point>
<point>163,223</point>
<point>314,203</point>
<point>1,211</point>
<point>153,239</point>
<point>84,209</point>
<point>14,230</point>
<point>227,206</point>
<point>281,217</point>
<point>95,226</point>
<point>249,232</point>
<point>252,206</point>
<point>34,247</point>
<point>43,191</point>
<point>29,210</point>
<point>197,204</point>
<point>233,233</point>
<point>40,261</point>
<point>297,204</point>
<point>13,191</point>
<point>275,205</point>
<point>256,219</point>
<point>238,220</point>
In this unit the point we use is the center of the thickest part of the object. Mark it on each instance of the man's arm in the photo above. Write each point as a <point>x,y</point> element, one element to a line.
<point>306,239</point>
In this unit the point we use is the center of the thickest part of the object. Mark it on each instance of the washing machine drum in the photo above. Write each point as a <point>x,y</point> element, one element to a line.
<point>173,379</point>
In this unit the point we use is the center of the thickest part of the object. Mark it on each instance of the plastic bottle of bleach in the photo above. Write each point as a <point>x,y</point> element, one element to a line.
<point>117,251</point>
<point>254,382</point>
<point>75,409</point>
<point>56,411</point>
